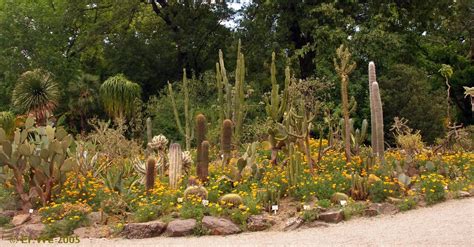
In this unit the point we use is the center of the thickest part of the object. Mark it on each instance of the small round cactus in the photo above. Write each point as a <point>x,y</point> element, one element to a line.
<point>158,142</point>
<point>232,200</point>
<point>195,191</point>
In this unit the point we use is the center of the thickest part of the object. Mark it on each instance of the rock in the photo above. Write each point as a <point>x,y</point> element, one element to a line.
<point>92,232</point>
<point>463,194</point>
<point>144,230</point>
<point>31,231</point>
<point>20,219</point>
<point>370,212</point>
<point>8,213</point>
<point>293,224</point>
<point>394,200</point>
<point>96,218</point>
<point>337,197</point>
<point>219,226</point>
<point>316,224</point>
<point>179,228</point>
<point>332,216</point>
<point>383,208</point>
<point>35,219</point>
<point>258,223</point>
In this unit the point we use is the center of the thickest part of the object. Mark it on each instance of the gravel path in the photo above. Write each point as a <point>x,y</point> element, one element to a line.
<point>447,224</point>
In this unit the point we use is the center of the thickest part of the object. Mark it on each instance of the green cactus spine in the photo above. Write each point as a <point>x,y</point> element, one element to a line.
<point>175,157</point>
<point>294,165</point>
<point>150,174</point>
<point>379,149</point>
<point>226,141</point>
<point>372,79</point>
<point>186,132</point>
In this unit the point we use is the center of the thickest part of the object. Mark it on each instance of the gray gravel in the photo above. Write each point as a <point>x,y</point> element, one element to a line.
<point>447,224</point>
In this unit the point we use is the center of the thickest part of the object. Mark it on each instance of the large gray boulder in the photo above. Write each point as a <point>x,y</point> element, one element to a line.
<point>219,226</point>
<point>144,230</point>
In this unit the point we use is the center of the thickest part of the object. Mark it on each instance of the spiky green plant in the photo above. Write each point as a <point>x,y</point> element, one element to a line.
<point>359,187</point>
<point>36,93</point>
<point>150,174</point>
<point>175,157</point>
<point>344,67</point>
<point>295,166</point>
<point>378,112</point>
<point>226,141</point>
<point>118,96</point>
<point>7,122</point>
<point>187,131</point>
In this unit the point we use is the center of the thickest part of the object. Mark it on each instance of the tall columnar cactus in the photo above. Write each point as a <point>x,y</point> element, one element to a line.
<point>149,134</point>
<point>344,68</point>
<point>226,141</point>
<point>175,157</point>
<point>377,101</point>
<point>201,131</point>
<point>231,99</point>
<point>150,174</point>
<point>187,132</point>
<point>204,165</point>
<point>372,79</point>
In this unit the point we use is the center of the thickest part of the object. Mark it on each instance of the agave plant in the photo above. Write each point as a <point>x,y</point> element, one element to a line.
<point>118,95</point>
<point>37,94</point>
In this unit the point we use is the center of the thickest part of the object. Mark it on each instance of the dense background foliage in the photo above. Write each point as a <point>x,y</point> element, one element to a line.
<point>83,42</point>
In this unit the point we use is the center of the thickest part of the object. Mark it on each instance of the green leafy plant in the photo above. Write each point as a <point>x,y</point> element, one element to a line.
<point>433,187</point>
<point>118,95</point>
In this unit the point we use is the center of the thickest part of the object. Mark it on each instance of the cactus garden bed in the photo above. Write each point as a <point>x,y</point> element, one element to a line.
<point>106,184</point>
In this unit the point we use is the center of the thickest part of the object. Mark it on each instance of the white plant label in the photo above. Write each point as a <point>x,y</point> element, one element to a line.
<point>274,208</point>
<point>31,210</point>
<point>180,199</point>
<point>343,202</point>
<point>445,187</point>
<point>205,202</point>
<point>306,207</point>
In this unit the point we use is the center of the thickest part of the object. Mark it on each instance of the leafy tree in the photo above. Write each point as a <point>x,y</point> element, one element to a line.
<point>406,93</point>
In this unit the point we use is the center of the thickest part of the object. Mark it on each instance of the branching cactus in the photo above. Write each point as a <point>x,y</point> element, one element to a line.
<point>186,132</point>
<point>231,99</point>
<point>344,68</point>
<point>226,141</point>
<point>204,166</point>
<point>294,165</point>
<point>175,157</point>
<point>150,174</point>
<point>201,130</point>
<point>377,101</point>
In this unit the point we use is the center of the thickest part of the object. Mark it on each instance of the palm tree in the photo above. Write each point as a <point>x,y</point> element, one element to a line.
<point>37,94</point>
<point>83,92</point>
<point>118,95</point>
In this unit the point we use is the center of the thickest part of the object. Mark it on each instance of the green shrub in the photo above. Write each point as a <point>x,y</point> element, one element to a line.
<point>191,210</point>
<point>324,203</point>
<point>147,213</point>
<point>378,191</point>
<point>432,187</point>
<point>407,204</point>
